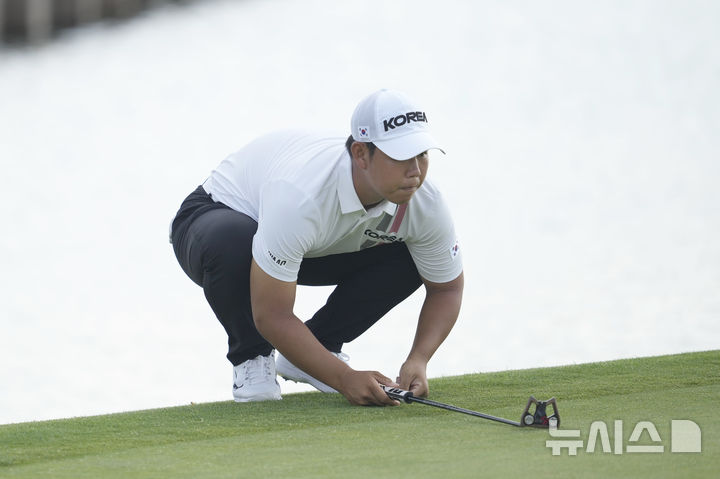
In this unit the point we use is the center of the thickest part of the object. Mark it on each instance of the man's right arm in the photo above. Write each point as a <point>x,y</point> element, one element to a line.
<point>272,305</point>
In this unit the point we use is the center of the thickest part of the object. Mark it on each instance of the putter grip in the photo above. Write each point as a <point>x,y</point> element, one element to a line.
<point>397,393</point>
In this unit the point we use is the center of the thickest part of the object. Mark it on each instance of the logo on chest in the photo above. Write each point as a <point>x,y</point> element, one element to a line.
<point>381,236</point>
<point>385,232</point>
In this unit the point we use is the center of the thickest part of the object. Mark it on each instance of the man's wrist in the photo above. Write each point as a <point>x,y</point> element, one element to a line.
<point>417,357</point>
<point>339,374</point>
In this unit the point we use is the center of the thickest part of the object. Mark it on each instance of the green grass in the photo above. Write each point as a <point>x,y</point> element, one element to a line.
<point>316,435</point>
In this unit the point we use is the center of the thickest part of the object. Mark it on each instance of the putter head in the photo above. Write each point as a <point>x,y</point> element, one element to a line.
<point>539,417</point>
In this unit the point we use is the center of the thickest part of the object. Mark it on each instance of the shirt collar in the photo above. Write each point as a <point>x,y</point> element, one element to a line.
<point>349,201</point>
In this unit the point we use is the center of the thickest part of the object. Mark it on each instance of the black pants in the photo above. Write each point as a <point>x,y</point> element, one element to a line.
<point>213,244</point>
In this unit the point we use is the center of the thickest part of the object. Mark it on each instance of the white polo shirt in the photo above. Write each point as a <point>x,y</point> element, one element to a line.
<point>298,186</point>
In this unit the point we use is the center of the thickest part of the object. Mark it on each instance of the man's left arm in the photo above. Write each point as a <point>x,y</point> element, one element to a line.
<point>437,318</point>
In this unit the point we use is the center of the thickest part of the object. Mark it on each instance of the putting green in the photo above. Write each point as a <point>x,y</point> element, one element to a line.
<point>317,435</point>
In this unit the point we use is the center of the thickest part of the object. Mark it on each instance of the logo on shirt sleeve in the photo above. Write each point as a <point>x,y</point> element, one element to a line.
<point>455,250</point>
<point>279,262</point>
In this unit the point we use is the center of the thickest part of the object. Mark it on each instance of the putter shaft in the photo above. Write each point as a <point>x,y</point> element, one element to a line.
<point>450,407</point>
<point>408,397</point>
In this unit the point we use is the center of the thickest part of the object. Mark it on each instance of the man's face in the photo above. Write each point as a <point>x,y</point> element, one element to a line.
<point>397,180</point>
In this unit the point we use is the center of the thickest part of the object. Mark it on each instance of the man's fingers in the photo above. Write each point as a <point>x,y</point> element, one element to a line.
<point>412,377</point>
<point>380,394</point>
<point>406,382</point>
<point>382,379</point>
<point>362,388</point>
<point>418,389</point>
<point>382,398</point>
<point>403,383</point>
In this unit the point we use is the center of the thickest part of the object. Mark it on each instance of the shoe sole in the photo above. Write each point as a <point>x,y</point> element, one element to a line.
<point>297,376</point>
<point>258,398</point>
<point>329,390</point>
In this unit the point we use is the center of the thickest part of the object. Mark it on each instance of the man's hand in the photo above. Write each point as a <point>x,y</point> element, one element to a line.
<point>362,388</point>
<point>437,317</point>
<point>272,304</point>
<point>413,377</point>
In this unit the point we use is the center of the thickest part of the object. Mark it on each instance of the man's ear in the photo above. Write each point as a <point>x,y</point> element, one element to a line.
<point>360,154</point>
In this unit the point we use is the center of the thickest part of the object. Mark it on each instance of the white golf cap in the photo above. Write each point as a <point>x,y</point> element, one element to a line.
<point>394,124</point>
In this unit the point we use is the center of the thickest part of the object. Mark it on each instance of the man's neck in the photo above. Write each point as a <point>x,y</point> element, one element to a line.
<point>368,198</point>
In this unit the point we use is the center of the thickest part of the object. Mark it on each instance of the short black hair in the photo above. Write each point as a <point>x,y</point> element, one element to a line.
<point>348,144</point>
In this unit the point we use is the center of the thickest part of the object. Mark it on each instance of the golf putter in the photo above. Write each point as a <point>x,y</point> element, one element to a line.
<point>538,418</point>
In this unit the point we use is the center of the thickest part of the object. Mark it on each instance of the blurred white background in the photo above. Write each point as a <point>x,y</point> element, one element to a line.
<point>582,169</point>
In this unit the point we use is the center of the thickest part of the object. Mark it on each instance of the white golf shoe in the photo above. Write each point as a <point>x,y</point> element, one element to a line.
<point>289,371</point>
<point>254,380</point>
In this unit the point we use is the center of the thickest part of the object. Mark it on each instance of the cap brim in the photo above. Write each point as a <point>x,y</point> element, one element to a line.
<point>408,146</point>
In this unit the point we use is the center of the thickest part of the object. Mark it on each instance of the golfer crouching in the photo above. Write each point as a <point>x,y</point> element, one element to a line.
<point>302,207</point>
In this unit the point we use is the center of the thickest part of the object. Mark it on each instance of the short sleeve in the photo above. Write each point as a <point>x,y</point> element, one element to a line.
<point>435,248</point>
<point>287,227</point>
